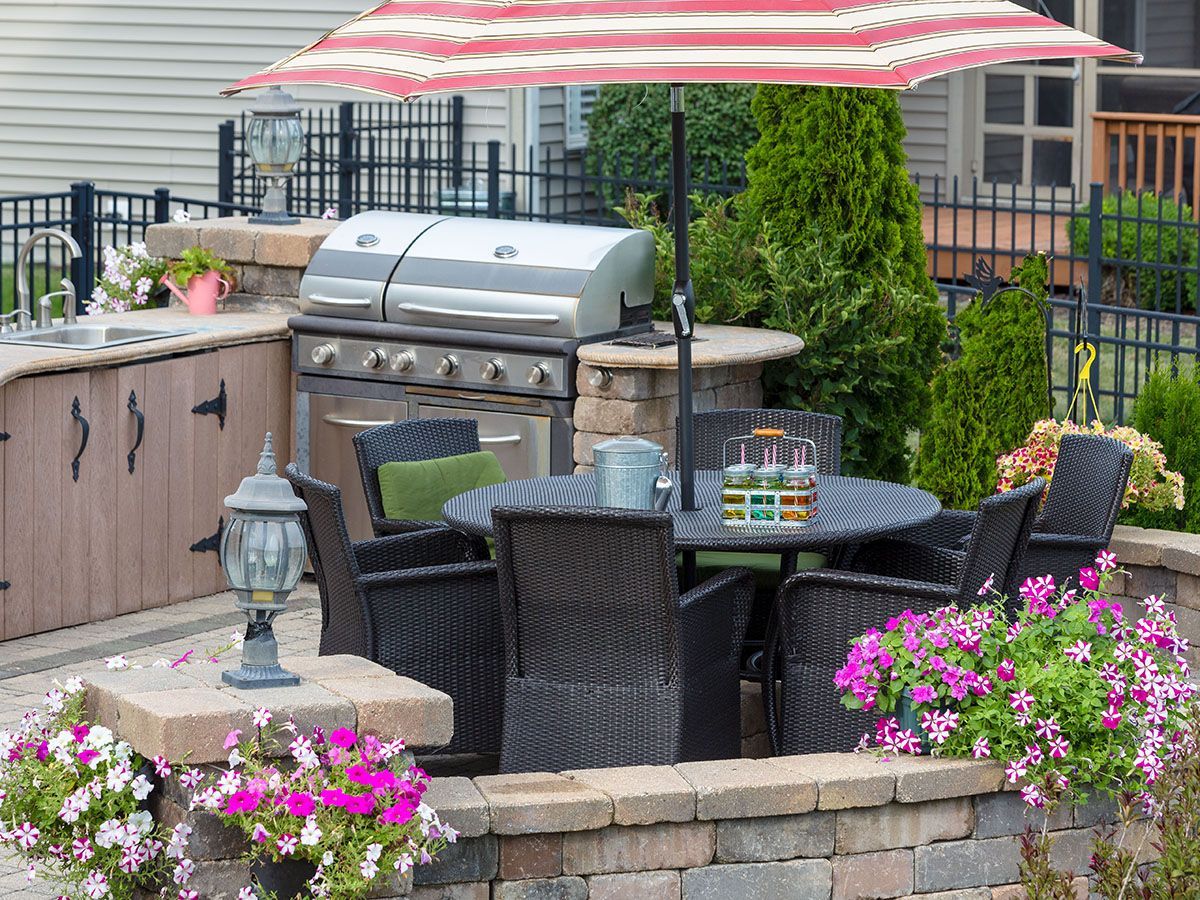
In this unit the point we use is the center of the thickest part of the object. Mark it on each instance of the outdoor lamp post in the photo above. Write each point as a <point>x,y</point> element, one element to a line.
<point>262,553</point>
<point>274,141</point>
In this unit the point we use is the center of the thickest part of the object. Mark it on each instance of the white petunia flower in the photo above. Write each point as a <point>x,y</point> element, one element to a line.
<point>117,662</point>
<point>182,216</point>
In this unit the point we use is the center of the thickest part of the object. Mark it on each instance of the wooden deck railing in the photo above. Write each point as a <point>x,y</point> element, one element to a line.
<point>1140,151</point>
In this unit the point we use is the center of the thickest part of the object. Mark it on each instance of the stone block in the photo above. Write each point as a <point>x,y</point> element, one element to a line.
<point>642,795</point>
<point>105,689</point>
<point>170,239</point>
<point>628,384</point>
<point>754,720</point>
<point>211,838</point>
<point>532,802</point>
<point>290,246</point>
<point>530,856</point>
<point>479,890</point>
<point>1182,553</point>
<point>270,281</point>
<point>799,879</point>
<point>220,879</point>
<point>1187,591</point>
<point>1187,621</point>
<point>737,789</point>
<point>1071,850</point>
<point>635,886</point>
<point>635,848</point>
<point>1016,892</point>
<point>1146,580</point>
<point>569,887</point>
<point>757,746</point>
<point>903,825</point>
<point>459,805</point>
<point>231,237</point>
<point>1006,813</point>
<point>965,864</point>
<point>467,859</point>
<point>775,837</point>
<point>1136,546</point>
<point>308,703</point>
<point>584,441</point>
<point>844,780</point>
<point>967,894</point>
<point>342,665</point>
<point>873,875</point>
<point>181,724</point>
<point>921,778</point>
<point>747,372</point>
<point>602,416</point>
<point>742,395</point>
<point>396,706</point>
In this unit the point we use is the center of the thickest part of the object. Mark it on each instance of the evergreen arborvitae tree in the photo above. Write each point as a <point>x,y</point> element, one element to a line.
<point>834,158</point>
<point>986,401</point>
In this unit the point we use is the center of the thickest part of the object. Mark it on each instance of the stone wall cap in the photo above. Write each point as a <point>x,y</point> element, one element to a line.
<point>722,345</point>
<point>844,780</point>
<point>459,804</point>
<point>535,802</point>
<point>642,795</point>
<point>746,788</point>
<point>920,778</point>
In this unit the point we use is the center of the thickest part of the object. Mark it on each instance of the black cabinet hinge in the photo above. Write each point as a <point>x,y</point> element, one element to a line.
<point>4,436</point>
<point>4,585</point>
<point>217,406</point>
<point>212,543</point>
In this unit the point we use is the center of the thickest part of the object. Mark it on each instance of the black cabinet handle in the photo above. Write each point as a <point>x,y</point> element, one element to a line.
<point>83,423</point>
<point>141,420</point>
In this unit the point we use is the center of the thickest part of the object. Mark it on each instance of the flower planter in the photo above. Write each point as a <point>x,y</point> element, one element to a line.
<point>910,720</point>
<point>285,878</point>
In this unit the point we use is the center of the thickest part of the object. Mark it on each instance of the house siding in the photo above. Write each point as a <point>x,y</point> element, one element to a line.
<point>125,92</point>
<point>926,114</point>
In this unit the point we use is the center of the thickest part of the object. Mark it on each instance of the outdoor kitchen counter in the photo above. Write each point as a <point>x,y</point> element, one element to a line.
<point>225,329</point>
<point>715,345</point>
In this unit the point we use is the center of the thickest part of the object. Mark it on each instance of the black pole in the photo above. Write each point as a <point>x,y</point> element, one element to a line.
<point>682,300</point>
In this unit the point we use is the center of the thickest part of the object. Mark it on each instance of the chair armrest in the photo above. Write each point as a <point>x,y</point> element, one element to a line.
<point>435,547</point>
<point>950,528</point>
<point>702,606</point>
<point>910,561</point>
<point>383,526</point>
<point>1067,541</point>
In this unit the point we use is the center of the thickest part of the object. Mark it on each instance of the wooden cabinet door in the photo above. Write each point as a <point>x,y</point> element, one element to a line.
<point>18,512</point>
<point>134,424</point>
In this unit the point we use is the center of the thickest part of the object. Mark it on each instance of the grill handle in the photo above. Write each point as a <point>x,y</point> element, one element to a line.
<point>529,318</point>
<point>354,423</point>
<point>502,439</point>
<point>343,302</point>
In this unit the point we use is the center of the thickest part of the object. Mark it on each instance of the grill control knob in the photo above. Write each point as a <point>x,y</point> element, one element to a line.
<point>374,359</point>
<point>538,373</point>
<point>324,354</point>
<point>403,361</point>
<point>447,365</point>
<point>492,370</point>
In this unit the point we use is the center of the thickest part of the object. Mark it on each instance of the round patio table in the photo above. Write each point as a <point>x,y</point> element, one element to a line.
<point>850,510</point>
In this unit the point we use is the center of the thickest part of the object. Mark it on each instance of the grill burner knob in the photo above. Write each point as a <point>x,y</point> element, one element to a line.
<point>447,365</point>
<point>403,361</point>
<point>324,354</point>
<point>537,374</point>
<point>374,359</point>
<point>492,370</point>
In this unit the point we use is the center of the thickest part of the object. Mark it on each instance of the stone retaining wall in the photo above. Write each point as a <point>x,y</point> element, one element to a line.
<point>822,827</point>
<point>1166,563</point>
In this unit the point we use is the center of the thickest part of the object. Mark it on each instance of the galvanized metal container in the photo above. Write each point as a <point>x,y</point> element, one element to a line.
<point>626,471</point>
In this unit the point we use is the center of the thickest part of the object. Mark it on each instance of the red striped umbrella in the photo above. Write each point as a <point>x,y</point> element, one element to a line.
<point>406,48</point>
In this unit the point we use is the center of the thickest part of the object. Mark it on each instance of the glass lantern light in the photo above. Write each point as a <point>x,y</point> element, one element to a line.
<point>262,552</point>
<point>274,140</point>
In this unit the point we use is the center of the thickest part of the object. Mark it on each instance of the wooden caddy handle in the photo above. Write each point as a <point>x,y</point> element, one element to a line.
<point>768,432</point>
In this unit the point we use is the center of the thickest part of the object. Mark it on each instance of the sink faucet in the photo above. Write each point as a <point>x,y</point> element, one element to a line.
<point>25,322</point>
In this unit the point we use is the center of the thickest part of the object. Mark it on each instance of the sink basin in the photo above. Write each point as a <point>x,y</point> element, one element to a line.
<point>84,336</point>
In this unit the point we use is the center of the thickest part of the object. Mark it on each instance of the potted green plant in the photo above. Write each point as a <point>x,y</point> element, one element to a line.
<point>207,278</point>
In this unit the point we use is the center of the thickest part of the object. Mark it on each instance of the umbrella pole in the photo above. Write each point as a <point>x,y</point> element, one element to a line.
<point>682,300</point>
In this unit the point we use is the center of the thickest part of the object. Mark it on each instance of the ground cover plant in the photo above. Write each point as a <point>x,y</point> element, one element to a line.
<point>1168,410</point>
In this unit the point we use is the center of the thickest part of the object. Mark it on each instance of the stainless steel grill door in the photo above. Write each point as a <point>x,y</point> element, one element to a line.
<point>520,442</point>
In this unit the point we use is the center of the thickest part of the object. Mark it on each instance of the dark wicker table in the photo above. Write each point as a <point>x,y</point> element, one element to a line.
<point>851,510</point>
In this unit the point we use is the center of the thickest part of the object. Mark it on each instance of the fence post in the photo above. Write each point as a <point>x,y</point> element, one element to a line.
<point>456,140</point>
<point>493,180</point>
<point>1095,279</point>
<point>225,161</point>
<point>346,159</point>
<point>162,205</point>
<point>83,229</point>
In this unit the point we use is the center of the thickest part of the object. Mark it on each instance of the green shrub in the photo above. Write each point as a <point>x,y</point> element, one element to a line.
<point>986,400</point>
<point>1168,409</point>
<point>1138,247</point>
<point>632,122</point>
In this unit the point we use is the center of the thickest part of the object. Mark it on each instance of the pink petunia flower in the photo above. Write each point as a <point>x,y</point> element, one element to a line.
<point>300,804</point>
<point>1106,560</point>
<point>1007,670</point>
<point>1080,652</point>
<point>231,739</point>
<point>343,737</point>
<point>1089,579</point>
<point>1021,701</point>
<point>981,749</point>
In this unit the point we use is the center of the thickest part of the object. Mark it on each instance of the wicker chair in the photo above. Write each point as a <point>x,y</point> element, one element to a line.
<point>606,664</point>
<point>1078,517</point>
<point>424,604</point>
<point>410,440</point>
<point>817,613</point>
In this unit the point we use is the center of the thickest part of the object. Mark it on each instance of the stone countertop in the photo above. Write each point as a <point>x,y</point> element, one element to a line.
<point>716,345</point>
<point>222,330</point>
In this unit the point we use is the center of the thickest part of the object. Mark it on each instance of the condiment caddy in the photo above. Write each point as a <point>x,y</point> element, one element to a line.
<point>774,494</point>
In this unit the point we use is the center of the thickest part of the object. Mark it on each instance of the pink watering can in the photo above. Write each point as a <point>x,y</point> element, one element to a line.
<point>203,292</point>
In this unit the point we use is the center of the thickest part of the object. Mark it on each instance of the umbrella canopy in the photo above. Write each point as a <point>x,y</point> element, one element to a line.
<point>406,48</point>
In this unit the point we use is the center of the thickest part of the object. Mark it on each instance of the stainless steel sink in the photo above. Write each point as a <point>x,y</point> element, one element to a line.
<point>85,336</point>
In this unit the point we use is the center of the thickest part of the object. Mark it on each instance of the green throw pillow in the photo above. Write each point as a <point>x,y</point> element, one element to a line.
<point>417,491</point>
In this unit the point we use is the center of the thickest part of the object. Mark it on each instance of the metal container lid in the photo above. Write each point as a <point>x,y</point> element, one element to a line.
<point>796,472</point>
<point>740,469</point>
<point>767,473</point>
<point>627,451</point>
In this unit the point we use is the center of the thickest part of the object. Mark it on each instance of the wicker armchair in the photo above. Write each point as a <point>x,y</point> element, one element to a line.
<point>606,664</point>
<point>423,604</point>
<point>713,428</point>
<point>410,440</point>
<point>1076,522</point>
<point>817,613</point>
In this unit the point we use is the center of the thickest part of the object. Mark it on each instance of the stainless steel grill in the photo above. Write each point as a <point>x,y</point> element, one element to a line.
<point>414,316</point>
